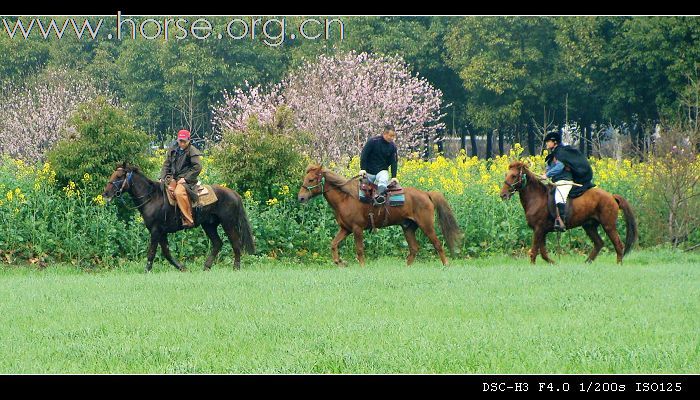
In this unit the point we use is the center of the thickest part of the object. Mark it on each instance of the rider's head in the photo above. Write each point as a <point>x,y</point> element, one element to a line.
<point>552,140</point>
<point>389,133</point>
<point>183,139</point>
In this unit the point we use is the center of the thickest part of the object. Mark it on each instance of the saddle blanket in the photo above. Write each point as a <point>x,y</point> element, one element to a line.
<point>395,193</point>
<point>205,196</point>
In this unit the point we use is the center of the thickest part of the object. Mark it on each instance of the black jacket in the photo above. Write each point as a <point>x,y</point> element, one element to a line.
<point>577,164</point>
<point>186,164</point>
<point>378,155</point>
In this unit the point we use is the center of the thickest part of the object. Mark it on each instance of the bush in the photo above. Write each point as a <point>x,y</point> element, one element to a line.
<point>102,137</point>
<point>264,157</point>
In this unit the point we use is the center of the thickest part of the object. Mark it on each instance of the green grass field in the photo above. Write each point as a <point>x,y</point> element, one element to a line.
<point>496,315</point>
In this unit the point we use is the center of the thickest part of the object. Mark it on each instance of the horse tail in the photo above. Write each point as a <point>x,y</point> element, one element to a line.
<point>245,231</point>
<point>631,223</point>
<point>448,223</point>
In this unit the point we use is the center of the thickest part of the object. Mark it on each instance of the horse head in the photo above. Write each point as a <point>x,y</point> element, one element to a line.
<point>312,183</point>
<point>119,182</point>
<point>516,178</point>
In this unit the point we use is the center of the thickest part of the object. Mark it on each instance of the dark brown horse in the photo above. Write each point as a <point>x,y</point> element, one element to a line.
<point>594,207</point>
<point>161,218</point>
<point>353,215</point>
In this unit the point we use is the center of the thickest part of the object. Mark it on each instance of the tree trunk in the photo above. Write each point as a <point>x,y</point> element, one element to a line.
<point>530,139</point>
<point>475,147</point>
<point>589,138</point>
<point>489,144</point>
<point>500,142</point>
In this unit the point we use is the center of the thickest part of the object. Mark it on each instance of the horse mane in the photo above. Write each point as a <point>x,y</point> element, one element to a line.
<point>342,184</point>
<point>338,181</point>
<point>531,177</point>
<point>135,169</point>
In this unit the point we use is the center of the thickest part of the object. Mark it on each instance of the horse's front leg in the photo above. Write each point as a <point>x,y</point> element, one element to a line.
<point>166,253</point>
<point>543,248</point>
<point>359,245</point>
<point>536,243</point>
<point>152,247</point>
<point>339,237</point>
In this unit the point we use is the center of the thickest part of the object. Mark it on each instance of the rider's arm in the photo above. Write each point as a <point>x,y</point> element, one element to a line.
<point>394,163</point>
<point>191,175</point>
<point>555,169</point>
<point>364,157</point>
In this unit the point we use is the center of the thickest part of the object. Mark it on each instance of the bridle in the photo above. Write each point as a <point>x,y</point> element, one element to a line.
<point>522,181</point>
<point>322,183</point>
<point>121,184</point>
<point>124,184</point>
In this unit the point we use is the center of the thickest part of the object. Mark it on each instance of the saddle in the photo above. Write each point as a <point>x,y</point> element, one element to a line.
<point>394,193</point>
<point>205,196</point>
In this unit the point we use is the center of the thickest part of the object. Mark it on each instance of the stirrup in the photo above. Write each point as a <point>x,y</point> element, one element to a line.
<point>379,200</point>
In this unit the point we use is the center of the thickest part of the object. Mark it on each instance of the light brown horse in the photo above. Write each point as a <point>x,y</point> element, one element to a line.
<point>352,215</point>
<point>594,207</point>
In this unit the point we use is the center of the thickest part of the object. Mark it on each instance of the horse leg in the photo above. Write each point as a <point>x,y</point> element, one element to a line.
<point>536,243</point>
<point>611,231</point>
<point>429,231</point>
<point>410,234</point>
<point>543,248</point>
<point>592,232</point>
<point>152,247</point>
<point>166,253</point>
<point>359,245</point>
<point>339,237</point>
<point>216,243</point>
<point>235,243</point>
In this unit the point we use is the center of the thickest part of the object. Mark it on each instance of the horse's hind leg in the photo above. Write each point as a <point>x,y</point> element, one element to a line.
<point>410,233</point>
<point>166,253</point>
<point>359,245</point>
<point>235,240</point>
<point>592,232</point>
<point>429,230</point>
<point>216,243</point>
<point>611,230</point>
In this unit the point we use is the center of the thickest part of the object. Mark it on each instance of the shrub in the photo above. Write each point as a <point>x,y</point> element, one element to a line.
<point>103,137</point>
<point>264,157</point>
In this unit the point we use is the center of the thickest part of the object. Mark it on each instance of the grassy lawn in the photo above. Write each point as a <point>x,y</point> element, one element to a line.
<point>495,315</point>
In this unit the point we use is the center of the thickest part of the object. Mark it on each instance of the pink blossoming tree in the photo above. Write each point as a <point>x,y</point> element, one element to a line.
<point>33,115</point>
<point>343,100</point>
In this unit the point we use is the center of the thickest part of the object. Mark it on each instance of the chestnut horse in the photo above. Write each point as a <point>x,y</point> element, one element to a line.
<point>594,207</point>
<point>352,215</point>
<point>161,218</point>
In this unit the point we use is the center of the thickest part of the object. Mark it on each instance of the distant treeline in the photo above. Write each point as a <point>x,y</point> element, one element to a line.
<point>506,78</point>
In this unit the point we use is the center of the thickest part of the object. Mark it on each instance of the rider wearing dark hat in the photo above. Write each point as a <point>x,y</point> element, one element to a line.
<point>560,175</point>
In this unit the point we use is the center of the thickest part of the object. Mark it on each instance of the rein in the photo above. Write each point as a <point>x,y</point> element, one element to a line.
<point>122,184</point>
<point>322,183</point>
